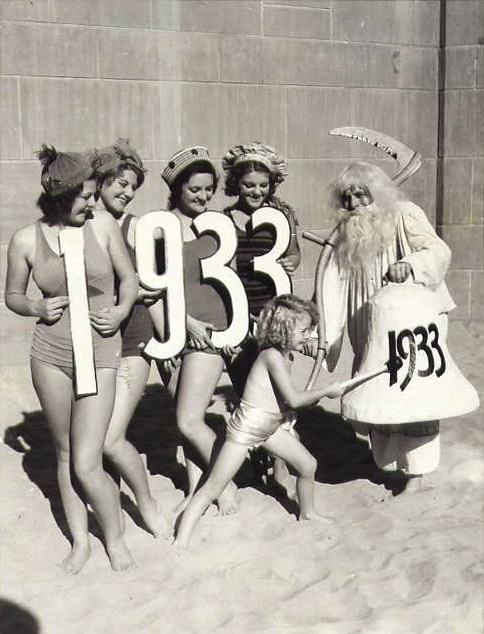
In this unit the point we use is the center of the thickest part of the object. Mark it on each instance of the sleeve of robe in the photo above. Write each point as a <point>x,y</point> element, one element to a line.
<point>334,293</point>
<point>426,253</point>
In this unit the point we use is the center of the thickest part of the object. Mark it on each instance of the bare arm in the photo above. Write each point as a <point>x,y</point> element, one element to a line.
<point>292,256</point>
<point>18,273</point>
<point>295,398</point>
<point>107,321</point>
<point>128,282</point>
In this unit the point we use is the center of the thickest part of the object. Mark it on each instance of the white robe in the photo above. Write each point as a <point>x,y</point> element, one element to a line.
<point>345,293</point>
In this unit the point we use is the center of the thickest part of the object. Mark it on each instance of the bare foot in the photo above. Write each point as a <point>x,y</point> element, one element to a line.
<point>180,546</point>
<point>122,520</point>
<point>76,559</point>
<point>155,520</point>
<point>228,502</point>
<point>119,556</point>
<point>313,516</point>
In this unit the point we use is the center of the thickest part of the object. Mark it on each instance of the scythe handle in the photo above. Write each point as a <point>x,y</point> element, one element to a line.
<point>318,290</point>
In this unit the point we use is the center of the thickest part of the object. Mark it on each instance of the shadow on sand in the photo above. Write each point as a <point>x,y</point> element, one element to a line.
<point>341,456</point>
<point>16,619</point>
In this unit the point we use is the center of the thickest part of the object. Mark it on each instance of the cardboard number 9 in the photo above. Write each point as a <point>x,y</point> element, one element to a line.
<point>171,280</point>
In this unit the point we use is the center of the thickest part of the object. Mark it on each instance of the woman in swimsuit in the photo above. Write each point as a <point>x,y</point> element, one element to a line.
<point>253,171</point>
<point>78,424</point>
<point>192,179</point>
<point>120,173</point>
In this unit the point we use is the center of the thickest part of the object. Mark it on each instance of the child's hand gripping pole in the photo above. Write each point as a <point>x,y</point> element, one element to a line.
<point>340,389</point>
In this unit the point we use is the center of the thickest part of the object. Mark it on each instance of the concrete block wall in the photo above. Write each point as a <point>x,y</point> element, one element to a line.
<point>169,73</point>
<point>461,153</point>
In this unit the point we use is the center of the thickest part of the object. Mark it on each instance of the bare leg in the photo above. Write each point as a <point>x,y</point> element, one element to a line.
<point>90,420</point>
<point>199,375</point>
<point>281,473</point>
<point>284,479</point>
<point>54,390</point>
<point>228,462</point>
<point>284,445</point>
<point>131,381</point>
<point>194,473</point>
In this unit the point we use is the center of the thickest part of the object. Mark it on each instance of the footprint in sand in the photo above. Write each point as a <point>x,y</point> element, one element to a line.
<point>421,579</point>
<point>470,470</point>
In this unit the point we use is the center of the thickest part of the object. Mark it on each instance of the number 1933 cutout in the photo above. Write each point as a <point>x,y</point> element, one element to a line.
<point>215,268</point>
<point>404,345</point>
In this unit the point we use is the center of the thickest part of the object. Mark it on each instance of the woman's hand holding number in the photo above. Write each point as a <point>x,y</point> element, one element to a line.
<point>108,320</point>
<point>147,297</point>
<point>287,264</point>
<point>199,333</point>
<point>50,310</point>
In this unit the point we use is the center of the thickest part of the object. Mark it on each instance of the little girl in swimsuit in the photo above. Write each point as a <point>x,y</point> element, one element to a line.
<point>284,325</point>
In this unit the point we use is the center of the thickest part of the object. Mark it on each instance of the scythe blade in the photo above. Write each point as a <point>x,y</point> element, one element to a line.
<point>407,160</point>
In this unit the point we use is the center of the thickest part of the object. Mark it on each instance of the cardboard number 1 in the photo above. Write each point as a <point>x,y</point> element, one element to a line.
<point>71,242</point>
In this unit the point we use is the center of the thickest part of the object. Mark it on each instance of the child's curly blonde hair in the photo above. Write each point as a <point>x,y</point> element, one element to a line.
<point>277,320</point>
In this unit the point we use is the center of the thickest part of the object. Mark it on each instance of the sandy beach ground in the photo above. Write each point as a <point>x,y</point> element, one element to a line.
<point>410,563</point>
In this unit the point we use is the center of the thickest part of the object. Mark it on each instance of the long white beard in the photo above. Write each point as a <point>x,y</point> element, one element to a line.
<point>363,236</point>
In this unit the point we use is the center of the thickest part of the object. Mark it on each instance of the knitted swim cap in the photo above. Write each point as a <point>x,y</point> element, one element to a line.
<point>183,159</point>
<point>62,171</point>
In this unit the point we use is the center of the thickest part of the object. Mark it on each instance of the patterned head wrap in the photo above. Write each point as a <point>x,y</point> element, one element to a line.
<point>63,171</point>
<point>110,158</point>
<point>259,153</point>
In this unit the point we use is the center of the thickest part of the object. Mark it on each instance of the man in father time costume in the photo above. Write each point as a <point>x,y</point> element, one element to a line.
<point>382,238</point>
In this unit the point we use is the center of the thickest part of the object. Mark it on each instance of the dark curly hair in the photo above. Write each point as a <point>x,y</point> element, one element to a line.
<point>52,207</point>
<point>234,175</point>
<point>199,167</point>
<point>277,320</point>
<point>232,188</point>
